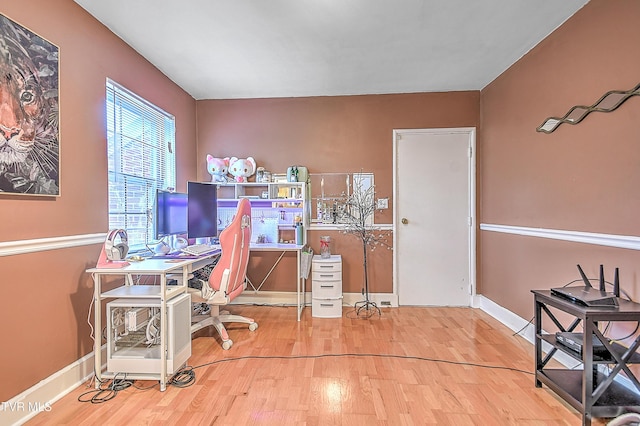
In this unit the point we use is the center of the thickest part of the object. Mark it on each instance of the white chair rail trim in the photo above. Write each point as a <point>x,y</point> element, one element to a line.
<point>41,244</point>
<point>610,240</point>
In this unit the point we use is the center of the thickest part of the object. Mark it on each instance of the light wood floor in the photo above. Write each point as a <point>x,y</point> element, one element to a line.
<point>410,366</point>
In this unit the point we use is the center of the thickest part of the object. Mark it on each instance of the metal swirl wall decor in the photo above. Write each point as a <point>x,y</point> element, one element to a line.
<point>607,103</point>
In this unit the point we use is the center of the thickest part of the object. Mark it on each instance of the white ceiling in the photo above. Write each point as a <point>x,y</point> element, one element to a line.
<point>224,49</point>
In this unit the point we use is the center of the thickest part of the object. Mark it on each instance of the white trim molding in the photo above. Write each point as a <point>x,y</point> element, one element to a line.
<point>339,227</point>
<point>287,298</point>
<point>41,396</point>
<point>610,240</point>
<point>10,248</point>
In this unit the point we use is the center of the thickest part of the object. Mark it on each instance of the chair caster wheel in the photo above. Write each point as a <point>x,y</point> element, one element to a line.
<point>253,326</point>
<point>226,345</point>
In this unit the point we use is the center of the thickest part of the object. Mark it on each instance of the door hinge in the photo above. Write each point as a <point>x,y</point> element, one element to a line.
<point>470,220</point>
<point>470,151</point>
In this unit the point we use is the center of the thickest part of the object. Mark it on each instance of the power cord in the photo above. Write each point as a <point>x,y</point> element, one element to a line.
<point>369,315</point>
<point>186,376</point>
<point>368,355</point>
<point>531,320</point>
<point>104,394</point>
<point>92,333</point>
<point>635,330</point>
<point>109,389</point>
<point>606,328</point>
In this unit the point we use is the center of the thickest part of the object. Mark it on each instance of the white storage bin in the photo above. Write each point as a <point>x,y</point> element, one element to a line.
<point>326,276</point>
<point>331,264</point>
<point>326,308</point>
<point>326,287</point>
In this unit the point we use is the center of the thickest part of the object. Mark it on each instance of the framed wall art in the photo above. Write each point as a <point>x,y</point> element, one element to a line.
<point>29,114</point>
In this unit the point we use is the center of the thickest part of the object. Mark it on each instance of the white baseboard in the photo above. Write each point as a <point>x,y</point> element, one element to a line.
<point>382,300</point>
<point>286,298</point>
<point>42,395</point>
<point>249,297</point>
<point>526,329</point>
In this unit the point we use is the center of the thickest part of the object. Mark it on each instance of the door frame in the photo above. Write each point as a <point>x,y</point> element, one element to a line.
<point>471,172</point>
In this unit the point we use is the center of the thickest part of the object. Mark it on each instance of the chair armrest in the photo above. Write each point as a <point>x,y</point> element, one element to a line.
<point>220,296</point>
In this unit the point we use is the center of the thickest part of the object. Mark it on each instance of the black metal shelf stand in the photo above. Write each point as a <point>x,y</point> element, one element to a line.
<point>592,392</point>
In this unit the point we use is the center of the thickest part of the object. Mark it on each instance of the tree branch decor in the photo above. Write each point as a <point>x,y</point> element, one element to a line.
<point>357,220</point>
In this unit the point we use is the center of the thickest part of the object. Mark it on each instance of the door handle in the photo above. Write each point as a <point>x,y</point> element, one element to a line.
<point>404,221</point>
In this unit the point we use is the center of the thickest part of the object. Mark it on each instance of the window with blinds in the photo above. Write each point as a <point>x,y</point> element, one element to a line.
<point>141,153</point>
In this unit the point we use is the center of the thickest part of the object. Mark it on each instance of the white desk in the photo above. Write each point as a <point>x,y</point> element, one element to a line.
<point>283,249</point>
<point>154,267</point>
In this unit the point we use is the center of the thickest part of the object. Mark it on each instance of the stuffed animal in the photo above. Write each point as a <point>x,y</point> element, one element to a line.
<point>242,168</point>
<point>218,168</point>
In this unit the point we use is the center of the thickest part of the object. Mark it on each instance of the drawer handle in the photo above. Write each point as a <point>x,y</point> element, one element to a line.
<point>328,305</point>
<point>327,266</point>
<point>326,286</point>
<point>326,275</point>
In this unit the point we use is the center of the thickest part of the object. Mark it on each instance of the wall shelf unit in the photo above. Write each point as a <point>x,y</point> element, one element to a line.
<point>276,208</point>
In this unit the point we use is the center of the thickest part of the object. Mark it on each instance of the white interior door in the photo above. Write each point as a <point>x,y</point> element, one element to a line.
<point>433,203</point>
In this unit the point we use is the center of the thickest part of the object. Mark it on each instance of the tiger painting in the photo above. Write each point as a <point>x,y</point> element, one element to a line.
<point>29,146</point>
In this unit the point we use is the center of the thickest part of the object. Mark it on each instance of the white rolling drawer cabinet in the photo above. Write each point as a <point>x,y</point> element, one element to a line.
<point>326,286</point>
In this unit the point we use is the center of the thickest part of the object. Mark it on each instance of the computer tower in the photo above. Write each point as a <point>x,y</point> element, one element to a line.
<point>133,335</point>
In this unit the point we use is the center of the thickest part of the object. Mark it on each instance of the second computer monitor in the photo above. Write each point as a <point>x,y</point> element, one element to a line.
<point>170,214</point>
<point>203,210</point>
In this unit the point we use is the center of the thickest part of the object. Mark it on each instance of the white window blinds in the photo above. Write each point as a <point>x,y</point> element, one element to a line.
<point>141,153</point>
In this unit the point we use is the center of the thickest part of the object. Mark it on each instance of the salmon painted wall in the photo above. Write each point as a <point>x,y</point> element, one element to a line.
<point>46,295</point>
<point>582,177</point>
<point>328,134</point>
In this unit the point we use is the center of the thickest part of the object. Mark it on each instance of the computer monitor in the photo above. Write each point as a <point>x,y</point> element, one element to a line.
<point>203,210</point>
<point>170,214</point>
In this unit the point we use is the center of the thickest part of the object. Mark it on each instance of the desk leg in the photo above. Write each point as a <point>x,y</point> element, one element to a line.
<point>97,324</point>
<point>163,332</point>
<point>299,283</point>
<point>538,343</point>
<point>589,373</point>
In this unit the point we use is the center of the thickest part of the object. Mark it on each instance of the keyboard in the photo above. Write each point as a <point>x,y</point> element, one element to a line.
<point>199,249</point>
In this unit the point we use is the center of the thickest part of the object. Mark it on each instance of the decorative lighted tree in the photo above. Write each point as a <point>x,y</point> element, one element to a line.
<point>357,218</point>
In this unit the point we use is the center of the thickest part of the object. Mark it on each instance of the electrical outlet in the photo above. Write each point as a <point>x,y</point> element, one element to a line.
<point>383,203</point>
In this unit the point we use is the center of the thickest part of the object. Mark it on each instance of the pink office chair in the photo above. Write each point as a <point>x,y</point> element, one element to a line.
<point>227,279</point>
